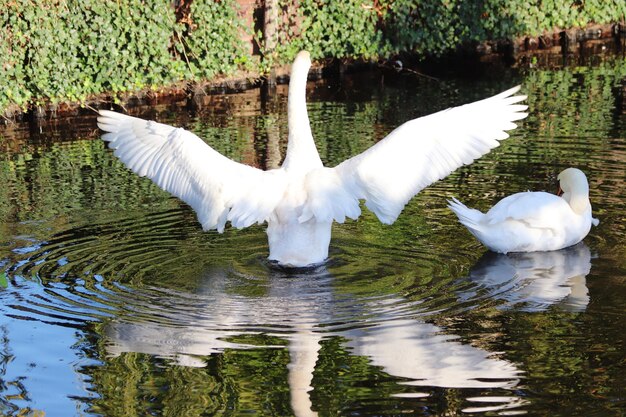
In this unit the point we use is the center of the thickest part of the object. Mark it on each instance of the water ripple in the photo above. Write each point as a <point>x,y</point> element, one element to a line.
<point>416,304</point>
<point>161,269</point>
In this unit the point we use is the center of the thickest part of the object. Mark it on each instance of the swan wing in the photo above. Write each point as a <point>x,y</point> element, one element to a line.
<point>217,188</point>
<point>413,156</point>
<point>537,210</point>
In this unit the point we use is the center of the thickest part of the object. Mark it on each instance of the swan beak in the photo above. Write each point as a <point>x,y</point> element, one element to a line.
<point>559,192</point>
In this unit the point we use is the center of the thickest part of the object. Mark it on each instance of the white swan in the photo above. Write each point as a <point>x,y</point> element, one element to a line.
<point>533,221</point>
<point>301,199</point>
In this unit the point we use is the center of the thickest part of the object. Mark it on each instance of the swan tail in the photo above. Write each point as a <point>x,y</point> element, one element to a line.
<point>470,218</point>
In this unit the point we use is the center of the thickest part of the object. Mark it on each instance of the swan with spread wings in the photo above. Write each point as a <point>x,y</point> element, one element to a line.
<point>301,199</point>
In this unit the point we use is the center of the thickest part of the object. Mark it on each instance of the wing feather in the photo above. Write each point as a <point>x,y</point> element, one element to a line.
<point>413,156</point>
<point>536,209</point>
<point>217,188</point>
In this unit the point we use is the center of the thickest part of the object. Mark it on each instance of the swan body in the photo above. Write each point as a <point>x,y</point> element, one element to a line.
<point>533,221</point>
<point>301,199</point>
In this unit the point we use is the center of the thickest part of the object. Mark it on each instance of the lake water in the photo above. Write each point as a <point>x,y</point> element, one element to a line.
<point>113,302</point>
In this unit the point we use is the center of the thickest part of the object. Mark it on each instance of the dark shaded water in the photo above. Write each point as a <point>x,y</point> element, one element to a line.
<point>114,303</point>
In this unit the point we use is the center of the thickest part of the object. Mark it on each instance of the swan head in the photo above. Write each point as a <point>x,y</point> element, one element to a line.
<point>303,56</point>
<point>575,188</point>
<point>301,66</point>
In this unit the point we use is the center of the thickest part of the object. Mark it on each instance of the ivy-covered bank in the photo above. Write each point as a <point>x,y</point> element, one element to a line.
<point>68,50</point>
<point>60,51</point>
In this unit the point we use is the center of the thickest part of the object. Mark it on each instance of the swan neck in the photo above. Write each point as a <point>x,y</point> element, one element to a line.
<point>297,116</point>
<point>579,204</point>
<point>578,200</point>
<point>576,190</point>
<point>301,150</point>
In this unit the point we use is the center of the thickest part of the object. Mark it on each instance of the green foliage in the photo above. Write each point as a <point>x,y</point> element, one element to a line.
<point>506,18</point>
<point>374,29</point>
<point>340,29</point>
<point>212,43</point>
<point>70,50</point>
<point>13,61</point>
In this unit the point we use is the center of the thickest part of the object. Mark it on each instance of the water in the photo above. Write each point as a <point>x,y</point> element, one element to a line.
<point>114,303</point>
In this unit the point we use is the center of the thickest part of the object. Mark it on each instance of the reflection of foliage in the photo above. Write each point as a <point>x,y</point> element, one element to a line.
<point>416,259</point>
<point>236,143</point>
<point>579,101</point>
<point>254,380</point>
<point>566,364</point>
<point>342,131</point>
<point>261,379</point>
<point>566,107</point>
<point>236,381</point>
<point>137,384</point>
<point>75,176</point>
<point>342,380</point>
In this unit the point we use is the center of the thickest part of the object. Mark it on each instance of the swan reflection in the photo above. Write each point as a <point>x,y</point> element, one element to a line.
<point>422,353</point>
<point>303,310</point>
<point>535,280</point>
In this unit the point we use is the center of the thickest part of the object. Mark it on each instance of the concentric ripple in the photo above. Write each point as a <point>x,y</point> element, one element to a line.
<point>156,285</point>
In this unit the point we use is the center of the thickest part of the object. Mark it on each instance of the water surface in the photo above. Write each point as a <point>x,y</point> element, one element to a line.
<point>114,303</point>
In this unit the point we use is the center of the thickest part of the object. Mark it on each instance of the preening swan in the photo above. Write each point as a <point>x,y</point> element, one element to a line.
<point>301,199</point>
<point>533,221</point>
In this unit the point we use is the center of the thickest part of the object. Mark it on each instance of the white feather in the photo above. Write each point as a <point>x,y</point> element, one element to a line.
<point>427,149</point>
<point>181,163</point>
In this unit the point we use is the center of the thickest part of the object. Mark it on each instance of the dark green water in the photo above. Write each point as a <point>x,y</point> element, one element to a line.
<point>114,303</point>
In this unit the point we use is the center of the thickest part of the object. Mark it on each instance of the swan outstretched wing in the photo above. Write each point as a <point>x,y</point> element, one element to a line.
<point>411,157</point>
<point>217,188</point>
